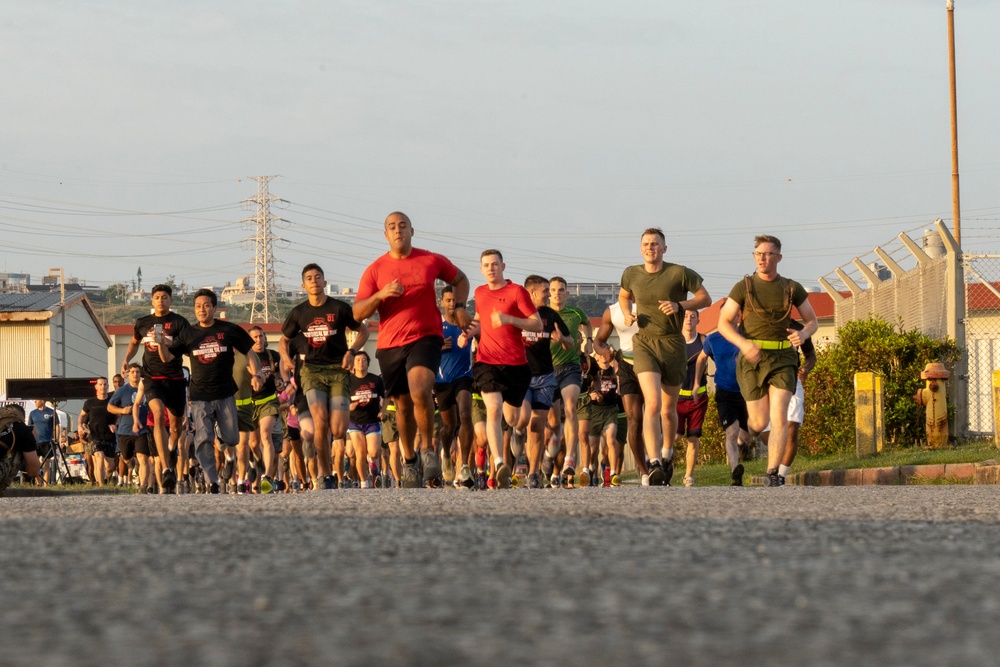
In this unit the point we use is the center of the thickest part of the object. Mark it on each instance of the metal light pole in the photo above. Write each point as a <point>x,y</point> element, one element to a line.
<point>950,6</point>
<point>62,312</point>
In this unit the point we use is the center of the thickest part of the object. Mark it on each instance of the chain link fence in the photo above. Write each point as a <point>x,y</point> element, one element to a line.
<point>982,336</point>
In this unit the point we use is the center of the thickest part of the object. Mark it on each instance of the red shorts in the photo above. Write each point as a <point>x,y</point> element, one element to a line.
<point>691,415</point>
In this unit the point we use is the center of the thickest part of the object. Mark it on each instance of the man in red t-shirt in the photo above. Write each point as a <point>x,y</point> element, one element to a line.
<point>501,371</point>
<point>400,286</point>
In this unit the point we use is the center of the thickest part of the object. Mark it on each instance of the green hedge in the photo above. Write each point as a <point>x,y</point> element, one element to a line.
<point>871,345</point>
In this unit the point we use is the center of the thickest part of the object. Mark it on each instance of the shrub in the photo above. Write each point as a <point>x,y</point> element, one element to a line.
<point>871,345</point>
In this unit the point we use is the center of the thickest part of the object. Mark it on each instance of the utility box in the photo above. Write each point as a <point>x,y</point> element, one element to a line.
<point>868,413</point>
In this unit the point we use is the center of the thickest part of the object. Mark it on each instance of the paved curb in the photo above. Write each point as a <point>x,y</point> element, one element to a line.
<point>985,472</point>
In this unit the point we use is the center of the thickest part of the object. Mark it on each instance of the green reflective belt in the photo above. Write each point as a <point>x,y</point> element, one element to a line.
<point>772,344</point>
<point>262,401</point>
<point>687,392</point>
<point>243,401</point>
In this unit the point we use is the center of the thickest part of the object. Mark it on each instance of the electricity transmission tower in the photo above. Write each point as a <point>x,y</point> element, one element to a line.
<point>263,241</point>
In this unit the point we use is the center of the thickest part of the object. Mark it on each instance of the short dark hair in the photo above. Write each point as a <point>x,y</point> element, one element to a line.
<point>204,291</point>
<point>535,279</point>
<point>255,327</point>
<point>491,251</point>
<point>657,231</point>
<point>313,266</point>
<point>558,279</point>
<point>447,289</point>
<point>765,238</point>
<point>134,365</point>
<point>162,287</point>
<point>362,353</point>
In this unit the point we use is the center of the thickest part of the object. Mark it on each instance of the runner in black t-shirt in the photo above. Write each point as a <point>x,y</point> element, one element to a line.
<point>365,429</point>
<point>164,386</point>
<point>96,424</point>
<point>542,390</point>
<point>324,322</point>
<point>266,405</point>
<point>211,344</point>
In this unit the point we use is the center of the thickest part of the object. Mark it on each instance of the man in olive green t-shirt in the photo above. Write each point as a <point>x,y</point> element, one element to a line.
<point>768,363</point>
<point>660,291</point>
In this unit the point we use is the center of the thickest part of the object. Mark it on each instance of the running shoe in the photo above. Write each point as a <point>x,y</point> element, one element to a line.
<point>482,483</point>
<point>568,477</point>
<point>410,476</point>
<point>616,480</point>
<point>773,478</point>
<point>432,468</point>
<point>169,480</point>
<point>227,471</point>
<point>689,481</point>
<point>329,483</point>
<point>491,483</point>
<point>645,479</point>
<point>266,484</point>
<point>503,477</point>
<point>584,478</point>
<point>447,468</point>
<point>668,472</point>
<point>534,481</point>
<point>656,475</point>
<point>555,481</point>
<point>465,478</point>
<point>606,476</point>
<point>737,475</point>
<point>214,488</point>
<point>548,463</point>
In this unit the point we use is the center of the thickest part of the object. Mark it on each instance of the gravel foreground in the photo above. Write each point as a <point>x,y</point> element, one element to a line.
<point>710,576</point>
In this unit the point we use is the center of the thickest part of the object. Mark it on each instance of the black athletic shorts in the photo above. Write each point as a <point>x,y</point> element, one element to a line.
<point>446,393</point>
<point>172,391</point>
<point>394,362</point>
<point>628,383</point>
<point>511,381</point>
<point>732,408</point>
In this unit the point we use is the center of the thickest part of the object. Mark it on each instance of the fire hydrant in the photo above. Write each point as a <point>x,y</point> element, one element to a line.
<point>935,398</point>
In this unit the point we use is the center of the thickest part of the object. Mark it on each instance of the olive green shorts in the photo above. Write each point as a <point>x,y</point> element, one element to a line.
<point>583,407</point>
<point>666,355</point>
<point>389,431</point>
<point>601,416</point>
<point>333,381</point>
<point>261,410</point>
<point>244,417</point>
<point>478,410</point>
<point>776,368</point>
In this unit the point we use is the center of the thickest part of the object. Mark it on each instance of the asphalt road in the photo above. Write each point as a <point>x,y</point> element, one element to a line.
<point>704,576</point>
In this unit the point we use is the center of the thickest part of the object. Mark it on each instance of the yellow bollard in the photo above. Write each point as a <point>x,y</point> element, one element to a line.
<point>868,413</point>
<point>934,397</point>
<point>996,408</point>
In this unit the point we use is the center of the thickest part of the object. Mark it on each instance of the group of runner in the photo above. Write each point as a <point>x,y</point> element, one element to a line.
<point>461,400</point>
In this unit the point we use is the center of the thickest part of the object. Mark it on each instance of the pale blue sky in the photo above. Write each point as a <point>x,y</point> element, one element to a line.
<point>555,131</point>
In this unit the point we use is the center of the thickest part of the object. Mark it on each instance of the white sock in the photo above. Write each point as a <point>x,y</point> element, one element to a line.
<point>783,470</point>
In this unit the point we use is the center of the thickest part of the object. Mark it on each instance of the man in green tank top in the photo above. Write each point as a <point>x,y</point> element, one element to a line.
<point>768,363</point>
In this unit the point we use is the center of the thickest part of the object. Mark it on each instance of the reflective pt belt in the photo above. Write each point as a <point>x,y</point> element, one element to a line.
<point>243,401</point>
<point>772,344</point>
<point>262,401</point>
<point>687,392</point>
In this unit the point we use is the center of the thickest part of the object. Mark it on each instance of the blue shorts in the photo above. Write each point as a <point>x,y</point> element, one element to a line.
<point>542,391</point>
